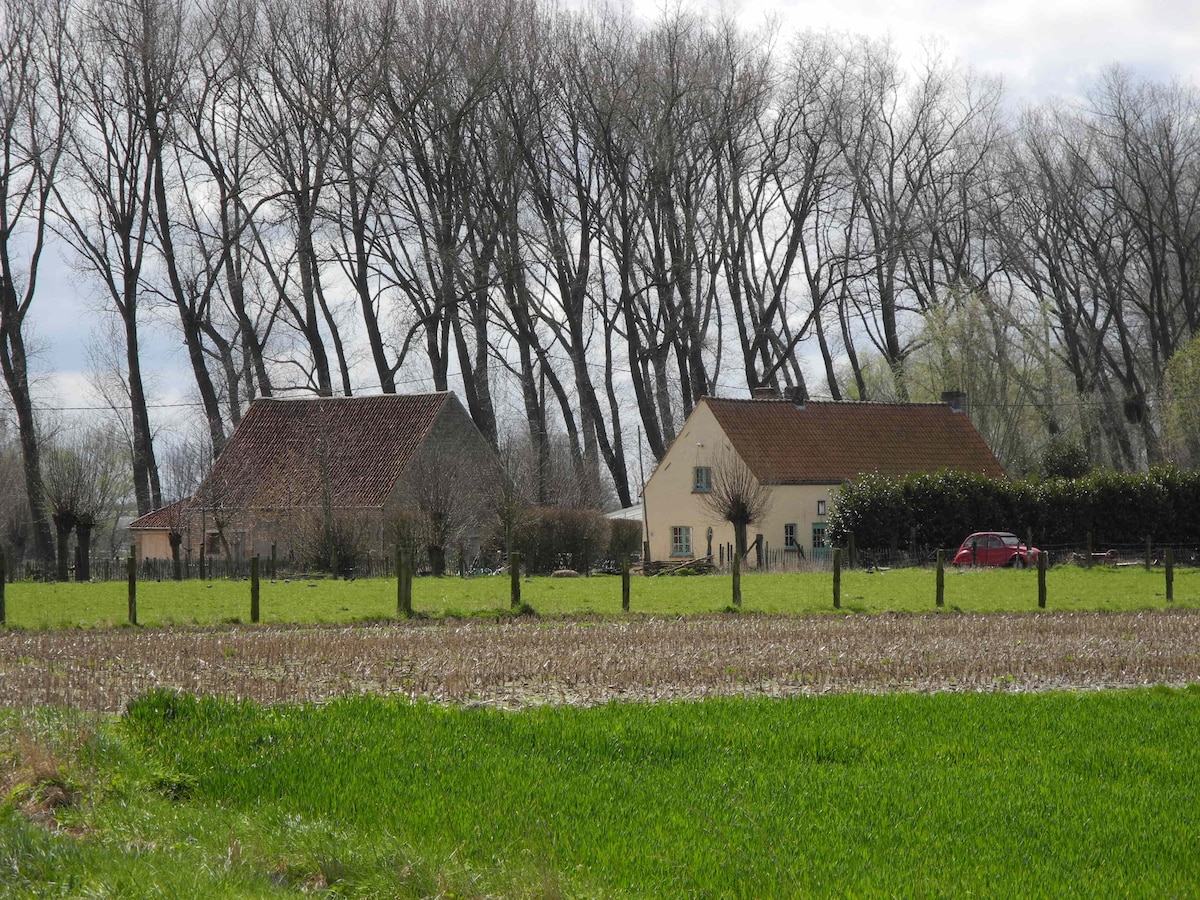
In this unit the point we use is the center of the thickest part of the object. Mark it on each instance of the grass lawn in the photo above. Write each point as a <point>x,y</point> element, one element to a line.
<point>32,605</point>
<point>1004,795</point>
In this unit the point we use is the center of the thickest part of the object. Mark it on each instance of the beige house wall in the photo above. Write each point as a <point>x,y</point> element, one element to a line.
<point>672,503</point>
<point>152,544</point>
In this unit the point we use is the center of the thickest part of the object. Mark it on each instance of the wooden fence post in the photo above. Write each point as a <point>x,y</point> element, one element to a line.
<point>625,582</point>
<point>274,561</point>
<point>941,578</point>
<point>1149,553</point>
<point>736,559</point>
<point>3,611</point>
<point>404,582</point>
<point>132,580</point>
<point>837,577</point>
<point>203,571</point>
<point>1169,563</point>
<point>1041,564</point>
<point>254,589</point>
<point>1090,550</point>
<point>514,577</point>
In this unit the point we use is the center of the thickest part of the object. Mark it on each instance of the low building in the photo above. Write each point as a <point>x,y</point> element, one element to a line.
<point>365,464</point>
<point>803,451</point>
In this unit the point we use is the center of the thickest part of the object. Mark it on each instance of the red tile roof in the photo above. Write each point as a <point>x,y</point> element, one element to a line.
<point>825,442</point>
<point>286,453</point>
<point>169,516</point>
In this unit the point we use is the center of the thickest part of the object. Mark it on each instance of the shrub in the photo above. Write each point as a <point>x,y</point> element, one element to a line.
<point>554,538</point>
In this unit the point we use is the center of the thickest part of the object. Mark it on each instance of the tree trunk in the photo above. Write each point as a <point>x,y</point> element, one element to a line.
<point>13,362</point>
<point>64,524</point>
<point>83,536</point>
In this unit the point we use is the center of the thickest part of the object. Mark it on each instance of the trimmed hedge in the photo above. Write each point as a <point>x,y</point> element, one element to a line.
<point>554,537</point>
<point>881,512</point>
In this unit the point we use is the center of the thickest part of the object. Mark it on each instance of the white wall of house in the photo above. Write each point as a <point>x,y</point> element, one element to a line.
<point>678,520</point>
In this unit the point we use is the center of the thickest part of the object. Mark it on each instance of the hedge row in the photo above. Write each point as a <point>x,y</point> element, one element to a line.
<point>881,512</point>
<point>553,538</point>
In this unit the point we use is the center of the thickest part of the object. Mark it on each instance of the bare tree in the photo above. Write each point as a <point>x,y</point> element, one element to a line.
<point>739,498</point>
<point>121,98</point>
<point>33,119</point>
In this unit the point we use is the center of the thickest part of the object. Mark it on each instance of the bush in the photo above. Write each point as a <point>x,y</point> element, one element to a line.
<point>555,538</point>
<point>340,543</point>
<point>625,538</point>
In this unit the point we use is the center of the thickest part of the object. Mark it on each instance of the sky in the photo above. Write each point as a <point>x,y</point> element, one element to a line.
<point>1039,48</point>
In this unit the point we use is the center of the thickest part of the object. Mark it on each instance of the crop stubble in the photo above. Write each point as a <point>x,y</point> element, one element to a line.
<point>588,661</point>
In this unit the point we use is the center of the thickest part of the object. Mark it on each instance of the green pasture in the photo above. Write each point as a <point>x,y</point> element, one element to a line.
<point>1090,794</point>
<point>36,605</point>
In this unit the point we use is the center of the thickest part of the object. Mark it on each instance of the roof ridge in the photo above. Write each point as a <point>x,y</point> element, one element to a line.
<point>342,399</point>
<point>825,401</point>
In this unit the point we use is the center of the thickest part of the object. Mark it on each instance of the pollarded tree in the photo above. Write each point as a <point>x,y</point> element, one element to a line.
<point>739,498</point>
<point>83,482</point>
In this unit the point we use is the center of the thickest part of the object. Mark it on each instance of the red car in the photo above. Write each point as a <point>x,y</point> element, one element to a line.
<point>995,548</point>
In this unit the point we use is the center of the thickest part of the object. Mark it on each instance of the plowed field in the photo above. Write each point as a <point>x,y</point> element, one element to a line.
<point>588,661</point>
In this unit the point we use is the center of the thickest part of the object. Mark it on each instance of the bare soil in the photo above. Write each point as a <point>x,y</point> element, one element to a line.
<point>524,662</point>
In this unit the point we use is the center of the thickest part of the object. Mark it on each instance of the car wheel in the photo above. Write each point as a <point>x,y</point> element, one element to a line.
<point>1018,562</point>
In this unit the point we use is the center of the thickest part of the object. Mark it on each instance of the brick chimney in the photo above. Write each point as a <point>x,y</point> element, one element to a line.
<point>956,400</point>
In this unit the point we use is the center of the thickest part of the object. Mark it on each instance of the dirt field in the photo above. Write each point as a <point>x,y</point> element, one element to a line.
<point>584,661</point>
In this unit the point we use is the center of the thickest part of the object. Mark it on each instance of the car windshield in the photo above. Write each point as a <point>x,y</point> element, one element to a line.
<point>1010,540</point>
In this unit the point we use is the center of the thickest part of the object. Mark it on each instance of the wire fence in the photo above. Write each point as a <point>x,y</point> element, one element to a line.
<point>759,558</point>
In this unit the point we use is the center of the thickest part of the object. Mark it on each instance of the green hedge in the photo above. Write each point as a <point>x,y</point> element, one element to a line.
<point>881,512</point>
<point>552,537</point>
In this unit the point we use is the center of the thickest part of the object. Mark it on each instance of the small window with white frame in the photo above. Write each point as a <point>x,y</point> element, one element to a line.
<point>681,540</point>
<point>701,480</point>
<point>789,536</point>
<point>820,507</point>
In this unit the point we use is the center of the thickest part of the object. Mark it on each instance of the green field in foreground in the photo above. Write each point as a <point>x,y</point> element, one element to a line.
<point>1089,794</point>
<point>33,605</point>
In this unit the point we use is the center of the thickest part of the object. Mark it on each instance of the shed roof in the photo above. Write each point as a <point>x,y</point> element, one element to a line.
<point>165,517</point>
<point>288,453</point>
<point>828,442</point>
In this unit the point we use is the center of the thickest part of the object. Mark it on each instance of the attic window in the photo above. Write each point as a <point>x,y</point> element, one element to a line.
<point>701,480</point>
<point>820,507</point>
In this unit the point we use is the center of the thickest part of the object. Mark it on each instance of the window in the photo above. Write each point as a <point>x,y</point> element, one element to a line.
<point>820,507</point>
<point>701,480</point>
<point>820,541</point>
<point>681,540</point>
<point>789,536</point>
<point>819,535</point>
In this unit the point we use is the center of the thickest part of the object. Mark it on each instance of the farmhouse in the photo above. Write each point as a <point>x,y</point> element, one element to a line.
<point>803,451</point>
<point>357,466</point>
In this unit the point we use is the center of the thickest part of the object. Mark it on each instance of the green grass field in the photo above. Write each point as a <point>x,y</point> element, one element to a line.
<point>1045,795</point>
<point>33,605</point>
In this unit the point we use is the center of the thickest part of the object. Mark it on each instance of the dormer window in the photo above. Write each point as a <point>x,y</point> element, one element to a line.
<point>701,480</point>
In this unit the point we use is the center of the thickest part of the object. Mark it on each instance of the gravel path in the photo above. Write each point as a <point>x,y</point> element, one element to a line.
<point>587,661</point>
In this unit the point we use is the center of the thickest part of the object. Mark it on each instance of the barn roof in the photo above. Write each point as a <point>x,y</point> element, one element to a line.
<point>828,442</point>
<point>292,453</point>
